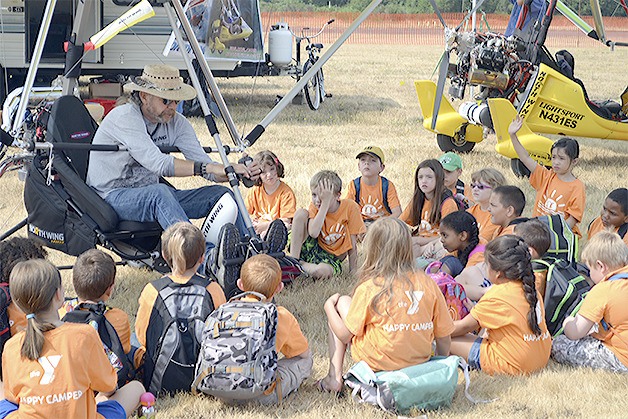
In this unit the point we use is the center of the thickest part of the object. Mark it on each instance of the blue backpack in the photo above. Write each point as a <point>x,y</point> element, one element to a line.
<point>385,183</point>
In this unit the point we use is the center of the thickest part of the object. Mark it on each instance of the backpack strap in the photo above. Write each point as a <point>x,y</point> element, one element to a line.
<point>385,184</point>
<point>615,277</point>
<point>460,187</point>
<point>623,229</point>
<point>356,184</point>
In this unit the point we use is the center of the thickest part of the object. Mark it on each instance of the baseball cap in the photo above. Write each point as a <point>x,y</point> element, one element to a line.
<point>450,161</point>
<point>373,151</point>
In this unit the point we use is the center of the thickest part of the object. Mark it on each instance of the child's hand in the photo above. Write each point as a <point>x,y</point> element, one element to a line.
<point>326,190</point>
<point>515,125</point>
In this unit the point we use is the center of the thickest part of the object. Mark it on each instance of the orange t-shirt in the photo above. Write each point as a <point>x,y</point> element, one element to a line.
<point>17,319</point>
<point>62,382</point>
<point>511,347</point>
<point>540,282</point>
<point>149,296</point>
<point>607,300</point>
<point>280,204</point>
<point>554,196</point>
<point>339,226</point>
<point>502,231</point>
<point>426,229</point>
<point>372,199</point>
<point>483,218</point>
<point>401,332</point>
<point>597,226</point>
<point>467,196</point>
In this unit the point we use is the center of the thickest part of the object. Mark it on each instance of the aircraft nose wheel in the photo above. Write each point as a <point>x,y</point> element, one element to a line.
<point>460,145</point>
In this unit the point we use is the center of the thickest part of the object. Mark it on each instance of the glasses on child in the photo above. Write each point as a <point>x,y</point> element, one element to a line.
<point>167,102</point>
<point>480,186</point>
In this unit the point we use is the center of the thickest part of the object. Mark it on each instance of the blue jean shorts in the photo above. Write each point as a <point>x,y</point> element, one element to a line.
<point>110,409</point>
<point>474,355</point>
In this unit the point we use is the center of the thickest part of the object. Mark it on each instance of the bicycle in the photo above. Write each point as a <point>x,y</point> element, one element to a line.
<point>314,90</point>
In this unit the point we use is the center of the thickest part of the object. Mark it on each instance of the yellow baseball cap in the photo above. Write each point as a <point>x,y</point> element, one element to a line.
<point>373,151</point>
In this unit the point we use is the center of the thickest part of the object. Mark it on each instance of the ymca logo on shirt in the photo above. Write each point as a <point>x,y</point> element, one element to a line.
<point>552,204</point>
<point>335,234</point>
<point>414,298</point>
<point>48,364</point>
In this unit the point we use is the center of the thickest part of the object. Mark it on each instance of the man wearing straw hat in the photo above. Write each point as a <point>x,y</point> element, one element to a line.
<point>129,180</point>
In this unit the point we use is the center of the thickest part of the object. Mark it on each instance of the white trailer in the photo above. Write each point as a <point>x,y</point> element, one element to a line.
<point>126,53</point>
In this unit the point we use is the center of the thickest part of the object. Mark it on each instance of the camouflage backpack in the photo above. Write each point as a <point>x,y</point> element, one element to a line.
<point>238,358</point>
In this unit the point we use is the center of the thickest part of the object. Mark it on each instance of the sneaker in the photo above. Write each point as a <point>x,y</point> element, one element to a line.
<point>228,259</point>
<point>276,237</point>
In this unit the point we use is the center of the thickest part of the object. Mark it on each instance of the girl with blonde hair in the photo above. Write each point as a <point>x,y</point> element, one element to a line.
<point>393,306</point>
<point>54,369</point>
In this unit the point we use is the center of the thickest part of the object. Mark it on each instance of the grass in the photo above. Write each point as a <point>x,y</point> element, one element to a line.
<point>374,102</point>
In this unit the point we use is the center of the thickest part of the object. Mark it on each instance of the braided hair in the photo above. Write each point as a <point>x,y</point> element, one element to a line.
<point>460,221</point>
<point>509,255</point>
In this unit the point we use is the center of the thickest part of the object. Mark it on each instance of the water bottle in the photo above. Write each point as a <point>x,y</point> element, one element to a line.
<point>147,406</point>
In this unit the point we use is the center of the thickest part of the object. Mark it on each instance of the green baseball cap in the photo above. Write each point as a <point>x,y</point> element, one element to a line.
<point>450,161</point>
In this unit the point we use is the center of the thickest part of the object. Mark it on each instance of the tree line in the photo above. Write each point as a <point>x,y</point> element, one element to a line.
<point>583,7</point>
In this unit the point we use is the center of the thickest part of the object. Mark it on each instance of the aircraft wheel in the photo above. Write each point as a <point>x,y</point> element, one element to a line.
<point>447,143</point>
<point>518,168</point>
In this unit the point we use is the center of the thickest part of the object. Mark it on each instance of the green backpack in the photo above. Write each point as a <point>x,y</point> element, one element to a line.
<point>426,386</point>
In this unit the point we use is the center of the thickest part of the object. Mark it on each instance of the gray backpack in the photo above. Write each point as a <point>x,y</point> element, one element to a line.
<point>238,358</point>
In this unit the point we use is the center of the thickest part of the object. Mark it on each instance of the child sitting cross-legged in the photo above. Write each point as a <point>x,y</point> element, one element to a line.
<point>172,312</point>
<point>391,297</point>
<point>461,237</point>
<point>506,206</point>
<point>55,369</point>
<point>327,232</point>
<point>614,215</point>
<point>597,337</point>
<point>430,202</point>
<point>375,194</point>
<point>262,274</point>
<point>512,312</point>
<point>93,277</point>
<point>483,183</point>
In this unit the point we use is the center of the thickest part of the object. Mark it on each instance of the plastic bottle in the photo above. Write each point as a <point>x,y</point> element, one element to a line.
<point>147,406</point>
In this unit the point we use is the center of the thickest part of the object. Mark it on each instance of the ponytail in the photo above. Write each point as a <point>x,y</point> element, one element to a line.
<point>510,255</point>
<point>34,284</point>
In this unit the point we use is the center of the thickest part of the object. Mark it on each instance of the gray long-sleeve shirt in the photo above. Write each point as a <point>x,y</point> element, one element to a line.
<point>142,163</point>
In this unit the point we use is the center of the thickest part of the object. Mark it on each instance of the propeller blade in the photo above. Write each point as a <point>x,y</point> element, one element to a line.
<point>440,86</point>
<point>475,9</point>
<point>140,12</point>
<point>437,11</point>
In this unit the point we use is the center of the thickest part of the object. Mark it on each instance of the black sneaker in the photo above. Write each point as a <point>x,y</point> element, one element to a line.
<point>226,266</point>
<point>276,237</point>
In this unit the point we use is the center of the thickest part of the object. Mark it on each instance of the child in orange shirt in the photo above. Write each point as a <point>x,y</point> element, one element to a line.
<point>597,337</point>
<point>13,251</point>
<point>395,313</point>
<point>93,277</point>
<point>506,205</point>
<point>262,274</point>
<point>537,236</point>
<point>183,248</point>
<point>460,236</point>
<point>373,204</point>
<point>513,314</point>
<point>327,232</point>
<point>483,182</point>
<point>54,369</point>
<point>558,191</point>
<point>614,215</point>
<point>452,165</point>
<point>270,199</point>
<point>430,202</point>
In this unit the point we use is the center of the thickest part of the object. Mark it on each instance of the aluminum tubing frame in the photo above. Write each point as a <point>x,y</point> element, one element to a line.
<point>174,13</point>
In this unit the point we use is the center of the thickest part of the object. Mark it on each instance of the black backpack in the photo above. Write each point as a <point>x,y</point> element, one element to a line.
<point>564,244</point>
<point>5,327</point>
<point>385,183</point>
<point>94,315</point>
<point>175,333</point>
<point>564,292</point>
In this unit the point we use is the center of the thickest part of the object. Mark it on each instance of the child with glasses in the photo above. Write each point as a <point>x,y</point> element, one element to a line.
<point>482,184</point>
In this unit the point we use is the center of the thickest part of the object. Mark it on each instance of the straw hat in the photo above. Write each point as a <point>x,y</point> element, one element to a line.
<point>163,81</point>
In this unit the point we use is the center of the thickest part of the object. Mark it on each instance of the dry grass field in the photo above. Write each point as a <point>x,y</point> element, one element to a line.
<point>374,103</point>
